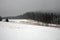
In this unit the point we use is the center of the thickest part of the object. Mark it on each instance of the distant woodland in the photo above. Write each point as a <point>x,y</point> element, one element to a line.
<point>46,17</point>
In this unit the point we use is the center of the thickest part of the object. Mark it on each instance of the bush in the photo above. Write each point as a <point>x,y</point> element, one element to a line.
<point>7,20</point>
<point>0,18</point>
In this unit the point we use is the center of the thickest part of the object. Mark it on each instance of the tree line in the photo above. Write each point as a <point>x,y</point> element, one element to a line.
<point>43,17</point>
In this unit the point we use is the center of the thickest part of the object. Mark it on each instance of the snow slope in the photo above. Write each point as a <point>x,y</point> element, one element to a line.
<point>14,31</point>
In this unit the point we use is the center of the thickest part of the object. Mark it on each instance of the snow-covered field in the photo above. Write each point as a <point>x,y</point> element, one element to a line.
<point>23,31</point>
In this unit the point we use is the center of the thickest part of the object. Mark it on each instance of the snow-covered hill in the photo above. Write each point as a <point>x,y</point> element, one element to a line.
<point>22,31</point>
<point>32,22</point>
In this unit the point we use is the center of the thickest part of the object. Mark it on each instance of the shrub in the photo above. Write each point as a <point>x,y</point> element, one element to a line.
<point>7,20</point>
<point>0,18</point>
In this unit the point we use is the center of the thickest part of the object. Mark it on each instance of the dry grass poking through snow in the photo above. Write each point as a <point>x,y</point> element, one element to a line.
<point>32,22</point>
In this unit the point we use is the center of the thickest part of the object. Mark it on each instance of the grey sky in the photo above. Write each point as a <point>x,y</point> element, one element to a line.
<point>17,7</point>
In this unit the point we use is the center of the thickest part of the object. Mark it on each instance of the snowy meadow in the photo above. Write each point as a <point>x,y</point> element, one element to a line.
<point>21,30</point>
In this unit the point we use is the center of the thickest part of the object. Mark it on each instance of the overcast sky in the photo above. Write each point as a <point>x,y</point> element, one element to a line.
<point>18,7</point>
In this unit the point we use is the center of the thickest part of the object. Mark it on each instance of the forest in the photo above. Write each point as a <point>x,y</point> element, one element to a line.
<point>45,17</point>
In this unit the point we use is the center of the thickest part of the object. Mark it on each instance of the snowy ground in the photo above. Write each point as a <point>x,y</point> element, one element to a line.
<point>32,22</point>
<point>20,31</point>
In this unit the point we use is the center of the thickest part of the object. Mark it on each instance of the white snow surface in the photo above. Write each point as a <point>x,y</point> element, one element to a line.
<point>20,31</point>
